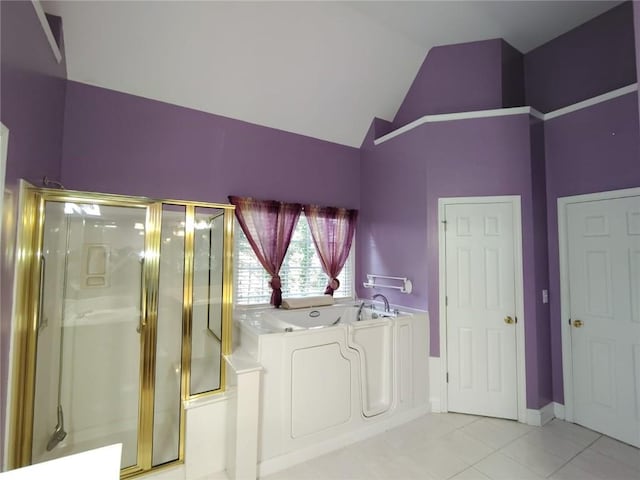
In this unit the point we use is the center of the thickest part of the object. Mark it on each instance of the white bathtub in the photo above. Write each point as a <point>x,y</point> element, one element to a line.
<point>330,382</point>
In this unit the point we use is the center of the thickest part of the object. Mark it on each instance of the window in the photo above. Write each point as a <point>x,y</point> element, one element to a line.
<point>301,272</point>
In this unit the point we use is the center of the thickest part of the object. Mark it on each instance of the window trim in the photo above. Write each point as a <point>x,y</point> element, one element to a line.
<point>351,262</point>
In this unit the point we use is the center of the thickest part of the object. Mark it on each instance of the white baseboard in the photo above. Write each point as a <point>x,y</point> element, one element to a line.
<point>533,417</point>
<point>538,418</point>
<point>435,384</point>
<point>272,465</point>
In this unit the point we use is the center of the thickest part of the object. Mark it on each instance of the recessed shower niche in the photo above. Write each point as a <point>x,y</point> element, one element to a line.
<point>124,316</point>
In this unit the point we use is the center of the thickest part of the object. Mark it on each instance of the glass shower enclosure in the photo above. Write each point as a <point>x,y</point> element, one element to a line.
<point>124,315</point>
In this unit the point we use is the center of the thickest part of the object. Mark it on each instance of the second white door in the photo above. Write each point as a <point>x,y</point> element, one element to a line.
<point>481,309</point>
<point>604,285</point>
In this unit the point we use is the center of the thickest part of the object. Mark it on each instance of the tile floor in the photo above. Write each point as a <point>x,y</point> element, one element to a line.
<point>465,447</point>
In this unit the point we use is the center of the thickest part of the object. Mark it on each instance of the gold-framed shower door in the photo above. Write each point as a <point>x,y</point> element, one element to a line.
<point>25,323</point>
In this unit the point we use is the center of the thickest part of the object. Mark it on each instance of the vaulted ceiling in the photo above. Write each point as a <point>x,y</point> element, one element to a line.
<point>322,69</point>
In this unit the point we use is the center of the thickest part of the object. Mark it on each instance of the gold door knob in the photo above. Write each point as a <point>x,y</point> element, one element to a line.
<point>577,323</point>
<point>508,320</point>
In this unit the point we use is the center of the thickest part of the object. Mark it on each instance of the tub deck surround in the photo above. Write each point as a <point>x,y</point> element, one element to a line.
<point>243,386</point>
<point>272,320</point>
<point>330,380</point>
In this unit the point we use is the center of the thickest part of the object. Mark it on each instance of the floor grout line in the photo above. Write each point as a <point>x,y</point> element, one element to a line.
<point>446,426</point>
<point>606,454</point>
<point>571,459</point>
<point>493,450</point>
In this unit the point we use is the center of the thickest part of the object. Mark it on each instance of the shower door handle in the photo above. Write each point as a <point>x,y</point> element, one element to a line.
<point>142,322</point>
<point>41,320</point>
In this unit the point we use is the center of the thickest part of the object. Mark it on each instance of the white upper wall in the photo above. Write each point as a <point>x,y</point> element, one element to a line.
<point>322,69</point>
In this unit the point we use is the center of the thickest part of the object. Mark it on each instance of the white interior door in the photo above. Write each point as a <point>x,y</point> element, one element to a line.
<point>604,287</point>
<point>480,309</point>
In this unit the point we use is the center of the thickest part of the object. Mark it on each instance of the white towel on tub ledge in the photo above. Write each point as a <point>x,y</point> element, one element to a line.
<point>307,302</point>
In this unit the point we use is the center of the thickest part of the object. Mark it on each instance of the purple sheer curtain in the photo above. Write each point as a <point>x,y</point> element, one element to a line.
<point>332,230</point>
<point>268,225</point>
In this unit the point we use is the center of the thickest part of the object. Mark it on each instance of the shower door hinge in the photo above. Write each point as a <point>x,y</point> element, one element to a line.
<point>444,222</point>
<point>447,377</point>
<point>446,301</point>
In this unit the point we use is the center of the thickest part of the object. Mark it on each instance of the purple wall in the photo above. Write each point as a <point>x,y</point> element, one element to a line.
<point>455,78</point>
<point>379,128</point>
<point>542,338</point>
<point>512,77</point>
<point>398,235</point>
<point>119,143</point>
<point>33,92</point>
<point>392,230</point>
<point>636,17</point>
<point>465,77</point>
<point>590,60</point>
<point>55,24</point>
<point>591,150</point>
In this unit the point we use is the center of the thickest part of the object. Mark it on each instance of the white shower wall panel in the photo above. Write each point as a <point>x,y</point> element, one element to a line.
<point>47,367</point>
<point>124,250</point>
<point>100,388</point>
<point>96,308</point>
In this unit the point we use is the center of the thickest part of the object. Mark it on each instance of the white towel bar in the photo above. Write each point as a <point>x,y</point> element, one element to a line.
<point>406,286</point>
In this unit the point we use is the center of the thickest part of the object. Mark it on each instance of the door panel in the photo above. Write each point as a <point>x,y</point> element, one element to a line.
<point>168,374</point>
<point>494,360</point>
<point>480,292</point>
<point>603,252</point>
<point>89,352</point>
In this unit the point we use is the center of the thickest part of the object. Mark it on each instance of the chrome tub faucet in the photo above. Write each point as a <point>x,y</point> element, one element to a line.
<point>384,299</point>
